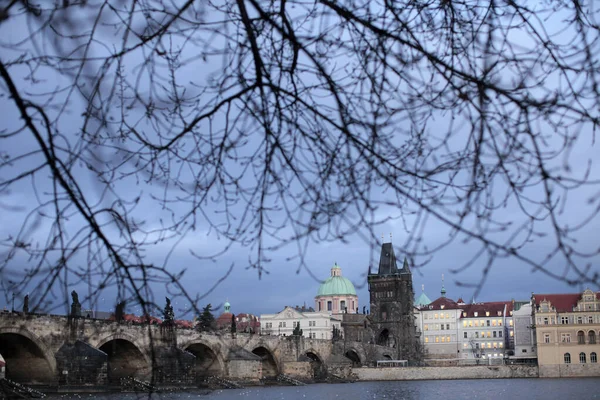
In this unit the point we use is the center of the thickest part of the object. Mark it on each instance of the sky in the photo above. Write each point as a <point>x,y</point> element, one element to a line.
<point>288,279</point>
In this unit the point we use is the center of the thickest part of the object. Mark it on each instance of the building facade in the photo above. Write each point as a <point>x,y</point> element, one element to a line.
<point>316,325</point>
<point>525,342</point>
<point>438,324</point>
<point>391,303</point>
<point>486,331</point>
<point>566,331</point>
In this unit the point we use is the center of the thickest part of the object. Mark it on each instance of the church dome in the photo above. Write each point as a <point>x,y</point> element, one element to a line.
<point>336,284</point>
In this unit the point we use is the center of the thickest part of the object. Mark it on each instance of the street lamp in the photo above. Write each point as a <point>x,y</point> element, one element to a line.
<point>13,302</point>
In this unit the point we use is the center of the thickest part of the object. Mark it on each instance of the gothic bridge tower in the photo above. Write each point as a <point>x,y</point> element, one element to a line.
<point>391,294</point>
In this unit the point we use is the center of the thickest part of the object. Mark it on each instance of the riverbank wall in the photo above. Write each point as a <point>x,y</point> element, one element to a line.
<point>427,373</point>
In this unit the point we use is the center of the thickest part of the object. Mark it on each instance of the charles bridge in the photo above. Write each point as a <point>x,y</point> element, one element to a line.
<point>61,351</point>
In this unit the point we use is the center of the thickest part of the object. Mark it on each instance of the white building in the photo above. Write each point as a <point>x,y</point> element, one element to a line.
<point>486,330</point>
<point>316,325</point>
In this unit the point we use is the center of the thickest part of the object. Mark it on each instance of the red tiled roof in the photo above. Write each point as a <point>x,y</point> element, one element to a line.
<point>562,302</point>
<point>493,307</point>
<point>437,304</point>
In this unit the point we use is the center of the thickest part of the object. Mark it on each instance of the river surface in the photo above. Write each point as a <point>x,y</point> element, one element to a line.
<point>505,389</point>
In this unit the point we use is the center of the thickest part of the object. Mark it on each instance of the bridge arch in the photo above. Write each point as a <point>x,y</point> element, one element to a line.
<point>317,364</point>
<point>125,357</point>
<point>209,361</point>
<point>353,355</point>
<point>270,365</point>
<point>27,357</point>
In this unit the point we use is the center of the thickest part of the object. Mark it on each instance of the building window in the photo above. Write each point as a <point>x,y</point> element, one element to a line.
<point>593,358</point>
<point>443,339</point>
<point>442,326</point>
<point>436,316</point>
<point>477,323</point>
<point>280,324</point>
<point>493,322</point>
<point>464,324</point>
<point>329,305</point>
<point>465,335</point>
<point>343,305</point>
<point>477,335</point>
<point>499,322</point>
<point>580,320</point>
<point>475,313</point>
<point>489,334</point>
<point>513,334</point>
<point>284,324</point>
<point>487,313</point>
<point>564,320</point>
<point>546,338</point>
<point>510,323</point>
<point>499,333</point>
<point>545,320</point>
<point>580,337</point>
<point>447,327</point>
<point>448,338</point>
<point>437,339</point>
<point>426,339</point>
<point>590,320</point>
<point>494,333</point>
<point>592,337</point>
<point>582,358</point>
<point>426,327</point>
<point>567,358</point>
<point>425,316</point>
<point>470,324</point>
<point>565,337</point>
<point>488,322</point>
<point>320,306</point>
<point>501,344</point>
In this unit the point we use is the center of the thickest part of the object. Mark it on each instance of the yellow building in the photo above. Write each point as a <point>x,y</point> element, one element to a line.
<point>567,327</point>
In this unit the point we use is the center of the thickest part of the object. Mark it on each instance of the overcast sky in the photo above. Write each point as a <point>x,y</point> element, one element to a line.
<point>287,281</point>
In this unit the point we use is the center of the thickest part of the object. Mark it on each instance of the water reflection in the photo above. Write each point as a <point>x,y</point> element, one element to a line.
<point>505,389</point>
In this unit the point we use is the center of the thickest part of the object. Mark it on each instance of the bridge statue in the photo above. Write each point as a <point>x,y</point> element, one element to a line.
<point>75,306</point>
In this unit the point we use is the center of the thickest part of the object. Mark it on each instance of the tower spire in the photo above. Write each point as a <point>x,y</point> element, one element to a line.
<point>443,288</point>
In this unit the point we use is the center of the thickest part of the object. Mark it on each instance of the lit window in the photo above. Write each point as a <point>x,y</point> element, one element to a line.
<point>465,346</point>
<point>493,322</point>
<point>582,358</point>
<point>436,316</point>
<point>443,339</point>
<point>464,314</point>
<point>512,334</point>
<point>489,334</point>
<point>426,339</point>
<point>448,338</point>
<point>447,316</point>
<point>567,358</point>
<point>437,339</point>
<point>489,345</point>
<point>465,324</point>
<point>442,315</point>
<point>475,313</point>
<point>593,358</point>
<point>426,327</point>
<point>487,313</point>
<point>510,323</point>
<point>499,322</point>
<point>501,344</point>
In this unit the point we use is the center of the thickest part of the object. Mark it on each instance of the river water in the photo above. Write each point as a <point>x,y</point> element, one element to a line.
<point>505,389</point>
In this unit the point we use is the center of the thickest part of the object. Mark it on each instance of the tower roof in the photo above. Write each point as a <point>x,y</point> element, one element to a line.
<point>336,284</point>
<point>422,300</point>
<point>387,260</point>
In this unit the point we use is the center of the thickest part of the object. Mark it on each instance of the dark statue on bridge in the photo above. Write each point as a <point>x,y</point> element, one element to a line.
<point>168,313</point>
<point>26,305</point>
<point>75,306</point>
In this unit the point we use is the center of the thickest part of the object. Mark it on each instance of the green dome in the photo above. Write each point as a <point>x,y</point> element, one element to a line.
<point>336,284</point>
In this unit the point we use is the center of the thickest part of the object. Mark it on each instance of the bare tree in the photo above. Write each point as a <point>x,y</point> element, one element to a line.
<point>272,124</point>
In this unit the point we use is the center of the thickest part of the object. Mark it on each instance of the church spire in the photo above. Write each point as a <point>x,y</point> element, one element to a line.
<point>443,288</point>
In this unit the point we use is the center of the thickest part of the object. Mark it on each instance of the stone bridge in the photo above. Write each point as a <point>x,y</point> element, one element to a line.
<point>57,350</point>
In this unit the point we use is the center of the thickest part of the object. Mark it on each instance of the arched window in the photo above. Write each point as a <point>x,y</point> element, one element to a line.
<point>593,357</point>
<point>582,358</point>
<point>580,337</point>
<point>592,337</point>
<point>567,358</point>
